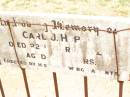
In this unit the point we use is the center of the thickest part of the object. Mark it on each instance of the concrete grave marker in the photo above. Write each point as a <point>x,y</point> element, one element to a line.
<point>75,44</point>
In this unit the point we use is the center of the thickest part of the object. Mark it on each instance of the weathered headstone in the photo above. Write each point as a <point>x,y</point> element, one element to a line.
<point>66,44</point>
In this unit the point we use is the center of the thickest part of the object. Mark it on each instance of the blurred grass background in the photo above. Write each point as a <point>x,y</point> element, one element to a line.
<point>85,7</point>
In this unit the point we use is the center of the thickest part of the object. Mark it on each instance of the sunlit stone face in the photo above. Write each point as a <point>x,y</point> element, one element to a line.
<point>72,46</point>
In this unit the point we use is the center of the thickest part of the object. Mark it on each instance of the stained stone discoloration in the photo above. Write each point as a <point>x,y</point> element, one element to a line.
<point>70,52</point>
<point>53,42</point>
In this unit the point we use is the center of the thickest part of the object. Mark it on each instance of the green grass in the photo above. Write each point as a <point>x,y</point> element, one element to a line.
<point>86,7</point>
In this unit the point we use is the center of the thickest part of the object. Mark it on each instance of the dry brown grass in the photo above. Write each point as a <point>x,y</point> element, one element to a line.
<point>86,7</point>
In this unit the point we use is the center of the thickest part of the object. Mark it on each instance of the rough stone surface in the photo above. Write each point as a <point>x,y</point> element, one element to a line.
<point>55,43</point>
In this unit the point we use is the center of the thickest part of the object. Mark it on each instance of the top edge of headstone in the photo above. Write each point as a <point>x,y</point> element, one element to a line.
<point>62,15</point>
